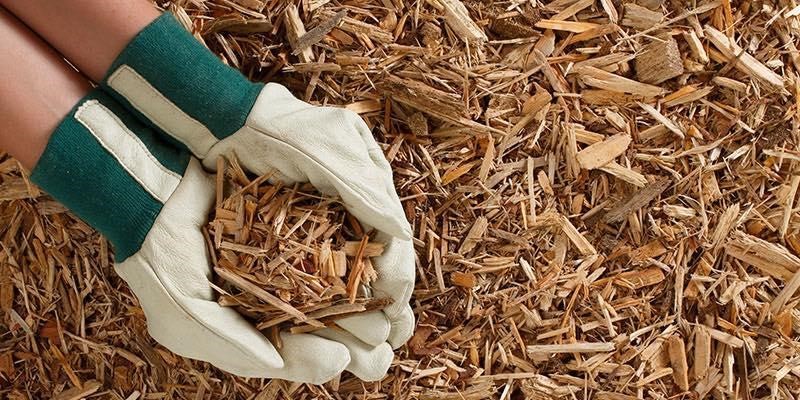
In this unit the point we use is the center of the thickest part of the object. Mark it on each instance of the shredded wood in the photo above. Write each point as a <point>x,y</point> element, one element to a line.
<point>284,256</point>
<point>603,193</point>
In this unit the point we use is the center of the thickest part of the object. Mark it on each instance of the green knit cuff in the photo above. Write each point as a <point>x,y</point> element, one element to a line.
<point>176,83</point>
<point>111,170</point>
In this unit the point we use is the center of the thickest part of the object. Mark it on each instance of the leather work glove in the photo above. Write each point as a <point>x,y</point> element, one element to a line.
<point>189,95</point>
<point>150,200</point>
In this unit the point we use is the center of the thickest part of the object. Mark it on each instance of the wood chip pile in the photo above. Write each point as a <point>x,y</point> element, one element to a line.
<point>603,192</point>
<point>284,255</point>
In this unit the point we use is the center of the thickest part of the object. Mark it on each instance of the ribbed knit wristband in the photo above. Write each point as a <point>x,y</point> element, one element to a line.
<point>111,170</point>
<point>183,89</point>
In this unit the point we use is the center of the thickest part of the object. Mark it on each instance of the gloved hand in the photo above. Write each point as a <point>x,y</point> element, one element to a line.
<point>150,200</point>
<point>334,150</point>
<point>167,77</point>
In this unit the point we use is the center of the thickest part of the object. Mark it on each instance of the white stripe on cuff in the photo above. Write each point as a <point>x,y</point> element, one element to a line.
<point>161,111</point>
<point>128,149</point>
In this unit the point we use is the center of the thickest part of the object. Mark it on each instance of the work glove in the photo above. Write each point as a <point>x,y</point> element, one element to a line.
<point>185,92</point>
<point>150,201</point>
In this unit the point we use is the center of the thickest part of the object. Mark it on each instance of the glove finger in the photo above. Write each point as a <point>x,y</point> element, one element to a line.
<point>380,161</point>
<point>396,274</point>
<point>310,359</point>
<point>388,217</point>
<point>200,329</point>
<point>402,328</point>
<point>384,169</point>
<point>368,363</point>
<point>204,330</point>
<point>372,328</point>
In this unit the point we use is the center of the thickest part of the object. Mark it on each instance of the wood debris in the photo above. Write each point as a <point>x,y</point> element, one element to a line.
<point>659,61</point>
<point>568,26</point>
<point>585,227</point>
<point>458,18</point>
<point>677,358</point>
<point>605,80</point>
<point>640,17</point>
<point>602,153</point>
<point>283,251</point>
<point>742,60</point>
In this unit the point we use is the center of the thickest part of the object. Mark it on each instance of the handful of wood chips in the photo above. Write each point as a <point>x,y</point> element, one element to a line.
<point>289,259</point>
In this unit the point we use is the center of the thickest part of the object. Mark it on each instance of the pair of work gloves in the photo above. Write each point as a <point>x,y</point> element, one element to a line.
<point>129,160</point>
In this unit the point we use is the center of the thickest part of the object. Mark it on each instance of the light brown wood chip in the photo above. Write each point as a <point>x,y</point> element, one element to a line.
<point>743,60</point>
<point>458,18</point>
<point>677,358</point>
<point>262,294</point>
<point>601,153</point>
<point>570,348</point>
<point>771,258</point>
<point>605,80</point>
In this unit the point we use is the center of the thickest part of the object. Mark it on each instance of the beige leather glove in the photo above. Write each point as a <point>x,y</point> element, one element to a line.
<point>151,201</point>
<point>184,91</point>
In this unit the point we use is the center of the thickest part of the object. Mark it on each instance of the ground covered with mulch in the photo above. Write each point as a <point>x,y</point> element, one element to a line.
<point>603,195</point>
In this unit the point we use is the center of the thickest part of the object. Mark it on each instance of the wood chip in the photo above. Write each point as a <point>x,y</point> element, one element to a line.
<point>637,200</point>
<point>458,18</point>
<point>742,60</point>
<point>677,357</point>
<point>571,348</point>
<point>605,80</point>
<point>77,393</point>
<point>640,17</point>
<point>659,61</point>
<point>771,258</point>
<point>569,26</point>
<point>602,153</point>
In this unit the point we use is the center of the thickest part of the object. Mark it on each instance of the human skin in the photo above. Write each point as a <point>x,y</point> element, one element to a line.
<point>37,90</point>
<point>89,33</point>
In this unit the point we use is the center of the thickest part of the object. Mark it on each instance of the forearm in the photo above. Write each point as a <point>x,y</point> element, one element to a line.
<point>38,89</point>
<point>90,33</point>
<point>119,44</point>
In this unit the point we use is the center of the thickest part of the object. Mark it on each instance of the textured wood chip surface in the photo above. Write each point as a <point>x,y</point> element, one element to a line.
<point>603,195</point>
